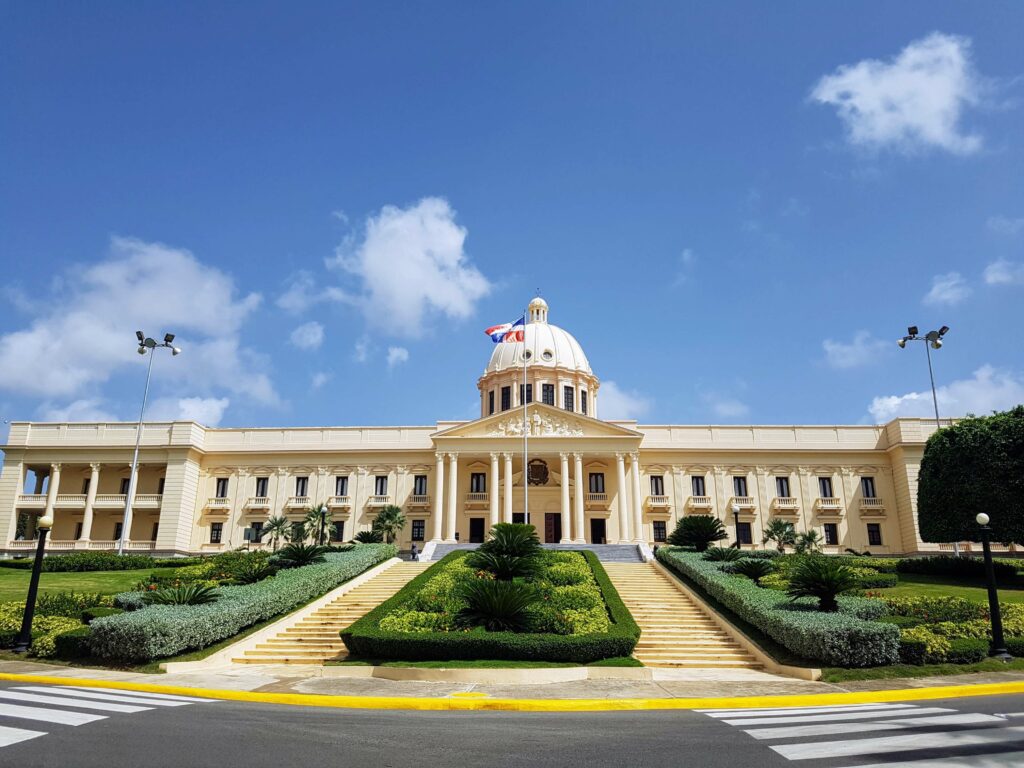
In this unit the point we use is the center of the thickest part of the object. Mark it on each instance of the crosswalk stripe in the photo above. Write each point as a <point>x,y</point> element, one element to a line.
<point>103,706</point>
<point>14,735</point>
<point>723,713</point>
<point>904,743</point>
<point>998,760</point>
<point>795,731</point>
<point>795,719</point>
<point>48,715</point>
<point>143,694</point>
<point>79,695</point>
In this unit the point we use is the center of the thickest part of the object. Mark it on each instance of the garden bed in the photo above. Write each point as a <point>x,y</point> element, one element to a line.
<point>399,629</point>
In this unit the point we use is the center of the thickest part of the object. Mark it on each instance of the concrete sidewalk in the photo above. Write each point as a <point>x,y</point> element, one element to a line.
<point>666,683</point>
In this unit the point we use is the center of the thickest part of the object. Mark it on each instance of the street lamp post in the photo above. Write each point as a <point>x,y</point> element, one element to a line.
<point>735,509</point>
<point>24,639</point>
<point>146,344</point>
<point>997,648</point>
<point>933,340</point>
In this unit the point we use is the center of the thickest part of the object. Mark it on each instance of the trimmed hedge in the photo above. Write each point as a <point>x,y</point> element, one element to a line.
<point>99,561</point>
<point>73,644</point>
<point>847,638</point>
<point>365,637</point>
<point>159,631</point>
<point>957,567</point>
<point>95,613</point>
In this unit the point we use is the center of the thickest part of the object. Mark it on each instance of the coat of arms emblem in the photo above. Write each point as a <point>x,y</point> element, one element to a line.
<point>538,472</point>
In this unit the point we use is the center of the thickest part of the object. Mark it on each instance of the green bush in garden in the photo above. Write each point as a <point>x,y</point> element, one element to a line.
<point>369,537</point>
<point>697,531</point>
<point>70,604</point>
<point>44,628</point>
<point>186,594</point>
<point>158,631</point>
<point>869,578</point>
<point>822,578</point>
<point>755,570</point>
<point>73,644</point>
<point>723,554</point>
<point>847,638</point>
<point>98,561</point>
<point>496,605</point>
<point>94,613</point>
<point>297,554</point>
<point>966,650</point>
<point>960,568</point>
<point>504,567</point>
<point>512,540</point>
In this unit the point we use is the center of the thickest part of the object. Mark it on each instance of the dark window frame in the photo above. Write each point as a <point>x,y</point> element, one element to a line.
<point>221,488</point>
<point>782,489</point>
<point>698,483</point>
<point>825,484</point>
<point>739,486</point>
<point>419,485</point>
<point>657,485</point>
<point>216,532</point>
<point>597,482</point>
<point>660,531</point>
<point>506,398</point>
<point>419,530</point>
<point>490,402</point>
<point>833,529</point>
<point>380,485</point>
<point>547,393</point>
<point>874,534</point>
<point>867,488</point>
<point>478,482</point>
<point>745,533</point>
<point>265,483</point>
<point>568,398</point>
<point>341,485</point>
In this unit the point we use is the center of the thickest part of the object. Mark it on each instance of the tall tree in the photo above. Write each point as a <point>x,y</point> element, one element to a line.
<point>976,465</point>
<point>389,522</point>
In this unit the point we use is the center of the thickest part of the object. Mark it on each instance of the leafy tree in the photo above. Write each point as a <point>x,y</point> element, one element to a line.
<point>697,531</point>
<point>781,532</point>
<point>976,465</point>
<point>808,542</point>
<point>317,523</point>
<point>277,528</point>
<point>823,578</point>
<point>389,522</point>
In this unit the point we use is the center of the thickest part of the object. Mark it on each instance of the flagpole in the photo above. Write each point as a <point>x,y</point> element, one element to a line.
<point>526,431</point>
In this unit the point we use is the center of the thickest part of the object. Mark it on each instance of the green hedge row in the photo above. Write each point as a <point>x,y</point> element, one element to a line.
<point>958,567</point>
<point>365,638</point>
<point>100,561</point>
<point>159,631</point>
<point>848,638</point>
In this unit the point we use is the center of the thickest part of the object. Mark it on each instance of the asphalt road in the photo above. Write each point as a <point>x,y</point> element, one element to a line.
<point>58,726</point>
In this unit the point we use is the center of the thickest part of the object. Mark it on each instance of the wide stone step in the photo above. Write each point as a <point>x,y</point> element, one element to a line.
<point>700,664</point>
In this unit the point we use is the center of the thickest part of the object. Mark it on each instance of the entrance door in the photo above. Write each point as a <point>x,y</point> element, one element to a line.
<point>519,517</point>
<point>552,528</point>
<point>476,530</point>
<point>597,530</point>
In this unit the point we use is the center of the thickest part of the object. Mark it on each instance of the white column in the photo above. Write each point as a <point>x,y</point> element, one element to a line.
<point>438,498</point>
<point>622,497</point>
<point>638,506</point>
<point>578,527</point>
<point>507,515</point>
<point>51,491</point>
<point>566,533</point>
<point>90,501</point>
<point>453,497</point>
<point>494,480</point>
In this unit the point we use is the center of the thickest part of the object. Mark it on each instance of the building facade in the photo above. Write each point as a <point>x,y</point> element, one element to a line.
<point>585,479</point>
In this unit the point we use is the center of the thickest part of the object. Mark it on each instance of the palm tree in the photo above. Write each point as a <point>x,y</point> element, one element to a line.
<point>781,532</point>
<point>316,523</point>
<point>808,542</point>
<point>277,528</point>
<point>389,521</point>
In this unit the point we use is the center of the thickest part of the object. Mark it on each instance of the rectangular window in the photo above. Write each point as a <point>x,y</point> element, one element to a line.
<point>341,485</point>
<point>380,485</point>
<point>567,395</point>
<point>301,486</point>
<point>529,393</point>
<point>478,482</point>
<point>506,398</point>
<point>78,531</point>
<point>257,531</point>
<point>262,487</point>
<point>216,531</point>
<point>419,485</point>
<point>156,530</point>
<point>831,534</point>
<point>825,487</point>
<point>739,486</point>
<point>118,527</point>
<point>160,486</point>
<point>221,491</point>
<point>697,485</point>
<point>583,402</point>
<point>490,402</point>
<point>419,528</point>
<point>124,486</point>
<point>875,534</point>
<point>338,530</point>
<point>547,392</point>
<point>867,487</point>
<point>744,534</point>
<point>659,531</point>
<point>782,487</point>
<point>597,482</point>
<point>657,485</point>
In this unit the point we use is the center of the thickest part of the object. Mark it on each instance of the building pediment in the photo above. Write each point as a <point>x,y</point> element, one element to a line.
<point>542,421</point>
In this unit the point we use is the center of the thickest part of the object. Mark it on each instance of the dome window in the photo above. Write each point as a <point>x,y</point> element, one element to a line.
<point>528,354</point>
<point>548,354</point>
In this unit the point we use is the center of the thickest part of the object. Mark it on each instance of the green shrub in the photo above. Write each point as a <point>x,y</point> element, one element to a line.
<point>73,644</point>
<point>971,568</point>
<point>503,567</point>
<point>847,638</point>
<point>823,578</point>
<point>1015,646</point>
<point>159,631</point>
<point>901,621</point>
<point>762,554</point>
<point>44,628</point>
<point>912,651</point>
<point>497,606</point>
<point>186,594</point>
<point>253,570</point>
<point>935,647</point>
<point>755,570</point>
<point>297,554</point>
<point>70,604</point>
<point>966,650</point>
<point>512,540</point>
<point>869,578</point>
<point>369,537</point>
<point>936,608</point>
<point>94,613</point>
<point>723,554</point>
<point>697,531</point>
<point>567,574</point>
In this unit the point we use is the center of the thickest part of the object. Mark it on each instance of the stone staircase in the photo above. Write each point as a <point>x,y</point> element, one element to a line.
<point>315,638</point>
<point>606,553</point>
<point>674,630</point>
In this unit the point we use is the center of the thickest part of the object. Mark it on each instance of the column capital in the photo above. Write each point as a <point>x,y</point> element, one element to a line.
<point>563,455</point>
<point>401,469</point>
<point>507,456</point>
<point>495,455</point>
<point>94,466</point>
<point>439,455</point>
<point>635,458</point>
<point>620,457</point>
<point>453,456</point>
<point>55,467</point>
<point>577,456</point>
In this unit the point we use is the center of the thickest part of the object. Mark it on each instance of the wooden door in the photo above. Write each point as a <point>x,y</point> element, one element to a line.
<point>597,530</point>
<point>552,528</point>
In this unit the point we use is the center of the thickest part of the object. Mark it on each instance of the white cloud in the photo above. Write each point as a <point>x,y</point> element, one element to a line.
<point>687,261</point>
<point>1004,272</point>
<point>724,407</point>
<point>84,332</point>
<point>300,294</point>
<point>206,410</point>
<point>1004,225</point>
<point>319,379</point>
<point>614,402</point>
<point>397,356</point>
<point>915,101</point>
<point>950,289</point>
<point>989,389</point>
<point>864,349</point>
<point>361,351</point>
<point>86,409</point>
<point>409,265</point>
<point>308,335</point>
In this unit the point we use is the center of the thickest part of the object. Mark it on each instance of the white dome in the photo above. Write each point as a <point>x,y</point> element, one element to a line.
<point>547,345</point>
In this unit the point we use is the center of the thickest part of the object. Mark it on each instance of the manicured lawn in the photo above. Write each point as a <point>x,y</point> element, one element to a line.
<point>921,585</point>
<point>14,583</point>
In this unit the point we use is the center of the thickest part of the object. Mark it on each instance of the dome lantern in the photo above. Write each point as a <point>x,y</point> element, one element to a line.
<point>538,310</point>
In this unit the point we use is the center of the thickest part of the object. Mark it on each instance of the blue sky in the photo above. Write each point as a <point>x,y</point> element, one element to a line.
<point>736,208</point>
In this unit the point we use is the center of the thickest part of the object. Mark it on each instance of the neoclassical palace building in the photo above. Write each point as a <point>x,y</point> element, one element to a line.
<point>587,479</point>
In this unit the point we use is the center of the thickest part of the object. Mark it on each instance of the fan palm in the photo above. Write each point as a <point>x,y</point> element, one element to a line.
<point>752,569</point>
<point>697,531</point>
<point>276,528</point>
<point>297,554</point>
<point>368,537</point>
<point>823,578</point>
<point>317,522</point>
<point>498,606</point>
<point>781,532</point>
<point>808,542</point>
<point>389,522</point>
<point>513,540</point>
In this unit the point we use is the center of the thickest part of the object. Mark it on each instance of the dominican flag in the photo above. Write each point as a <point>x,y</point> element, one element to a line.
<point>508,332</point>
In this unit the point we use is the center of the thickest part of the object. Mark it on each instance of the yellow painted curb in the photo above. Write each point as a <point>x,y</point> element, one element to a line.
<point>464,703</point>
